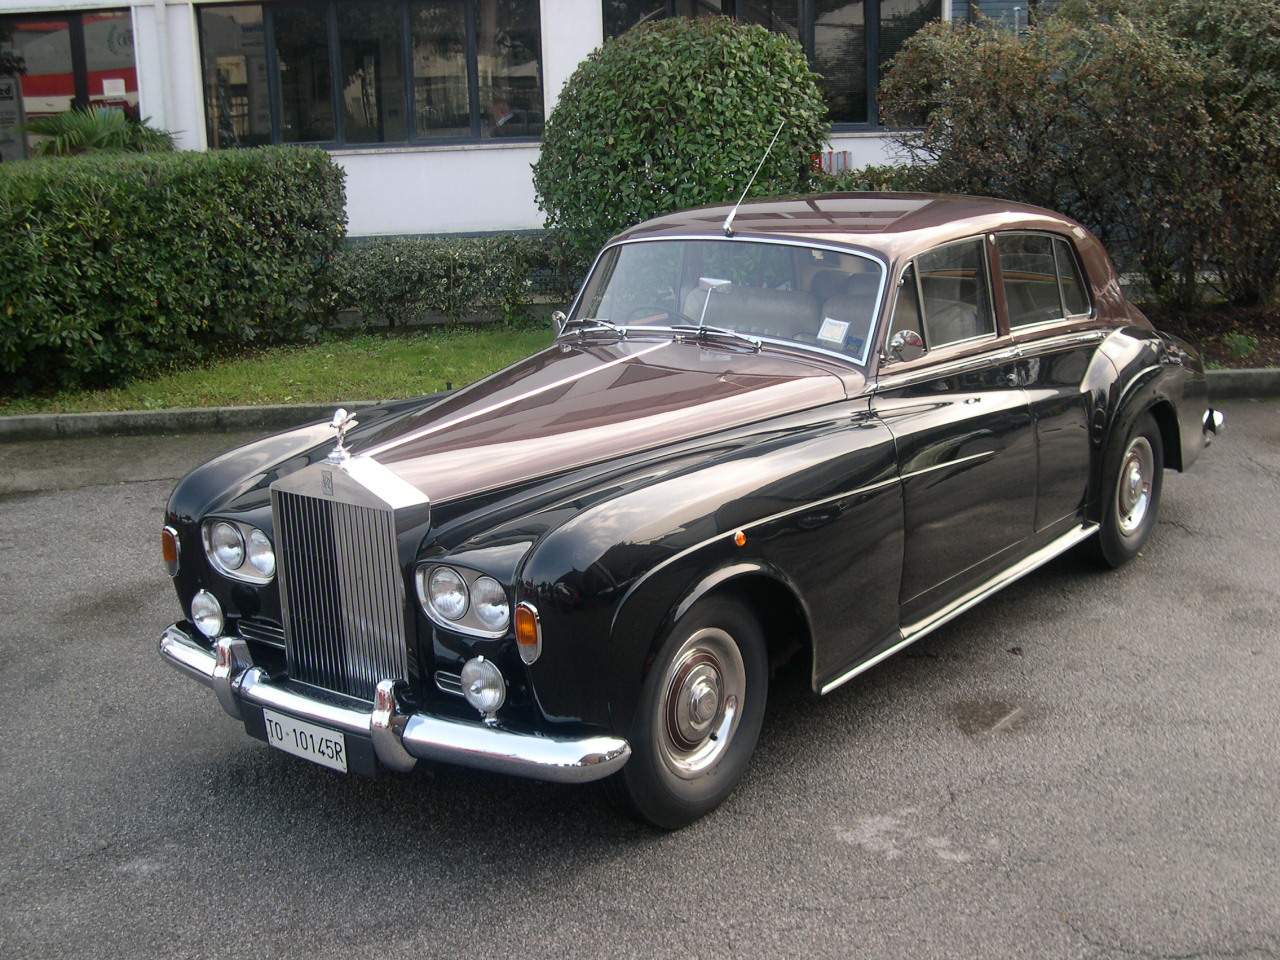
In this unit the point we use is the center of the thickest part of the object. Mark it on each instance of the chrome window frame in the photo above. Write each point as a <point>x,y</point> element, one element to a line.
<point>911,264</point>
<point>872,331</point>
<point>1053,236</point>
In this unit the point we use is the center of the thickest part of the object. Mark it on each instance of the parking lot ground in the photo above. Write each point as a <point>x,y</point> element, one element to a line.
<point>1087,765</point>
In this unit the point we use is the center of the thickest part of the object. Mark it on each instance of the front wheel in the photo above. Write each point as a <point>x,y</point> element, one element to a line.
<point>699,716</point>
<point>1131,493</point>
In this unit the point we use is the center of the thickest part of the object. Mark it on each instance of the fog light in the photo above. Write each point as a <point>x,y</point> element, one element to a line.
<point>483,686</point>
<point>206,614</point>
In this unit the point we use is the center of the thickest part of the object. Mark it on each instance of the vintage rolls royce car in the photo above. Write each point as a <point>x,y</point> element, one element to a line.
<point>820,432</point>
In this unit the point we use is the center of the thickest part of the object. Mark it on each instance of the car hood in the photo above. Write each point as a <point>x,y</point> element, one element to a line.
<point>581,402</point>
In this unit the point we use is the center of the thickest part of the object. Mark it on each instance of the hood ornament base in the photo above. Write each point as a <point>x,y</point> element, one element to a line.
<point>342,422</point>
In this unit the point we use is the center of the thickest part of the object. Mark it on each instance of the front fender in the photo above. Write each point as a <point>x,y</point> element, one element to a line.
<point>818,504</point>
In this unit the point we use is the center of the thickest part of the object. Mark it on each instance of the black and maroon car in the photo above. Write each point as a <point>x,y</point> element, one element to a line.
<point>819,433</point>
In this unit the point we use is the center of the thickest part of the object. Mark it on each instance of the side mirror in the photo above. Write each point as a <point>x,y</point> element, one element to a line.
<point>559,318</point>
<point>906,345</point>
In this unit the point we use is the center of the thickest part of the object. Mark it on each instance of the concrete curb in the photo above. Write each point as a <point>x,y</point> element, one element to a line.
<point>1264,382</point>
<point>56,426</point>
<point>53,426</point>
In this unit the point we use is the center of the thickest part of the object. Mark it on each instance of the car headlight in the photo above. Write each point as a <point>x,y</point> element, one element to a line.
<point>206,614</point>
<point>227,545</point>
<point>489,603</point>
<point>447,593</point>
<point>239,551</point>
<point>262,556</point>
<point>483,686</point>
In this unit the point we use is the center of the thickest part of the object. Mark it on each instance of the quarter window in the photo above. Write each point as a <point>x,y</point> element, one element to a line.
<point>956,294</point>
<point>351,72</point>
<point>1074,297</point>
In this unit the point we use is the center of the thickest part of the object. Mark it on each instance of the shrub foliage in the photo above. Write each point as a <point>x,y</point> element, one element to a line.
<point>117,264</point>
<point>1154,122</point>
<point>96,129</point>
<point>396,280</point>
<point>672,115</point>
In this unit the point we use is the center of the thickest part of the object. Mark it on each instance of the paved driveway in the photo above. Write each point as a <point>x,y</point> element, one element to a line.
<point>1086,766</point>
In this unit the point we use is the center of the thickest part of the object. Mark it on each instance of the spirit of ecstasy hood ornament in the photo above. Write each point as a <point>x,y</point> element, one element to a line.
<point>342,422</point>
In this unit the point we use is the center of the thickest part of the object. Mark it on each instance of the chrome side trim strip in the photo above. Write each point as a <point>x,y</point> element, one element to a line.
<point>985,455</point>
<point>922,628</point>
<point>399,740</point>
<point>948,368</point>
<point>1033,348</point>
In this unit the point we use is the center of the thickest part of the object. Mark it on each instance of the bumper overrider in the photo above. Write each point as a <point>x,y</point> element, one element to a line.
<point>399,740</point>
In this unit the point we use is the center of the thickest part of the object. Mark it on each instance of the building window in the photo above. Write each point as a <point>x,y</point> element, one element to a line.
<point>50,63</point>
<point>848,42</point>
<point>362,72</point>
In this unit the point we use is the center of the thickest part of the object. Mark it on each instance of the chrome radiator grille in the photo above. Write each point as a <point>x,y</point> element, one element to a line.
<point>341,592</point>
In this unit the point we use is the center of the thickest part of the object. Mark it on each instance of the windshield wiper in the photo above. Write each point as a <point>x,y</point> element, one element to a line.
<point>701,333</point>
<point>583,324</point>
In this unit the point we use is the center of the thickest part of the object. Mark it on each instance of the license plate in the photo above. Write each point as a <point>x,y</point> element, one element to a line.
<point>318,744</point>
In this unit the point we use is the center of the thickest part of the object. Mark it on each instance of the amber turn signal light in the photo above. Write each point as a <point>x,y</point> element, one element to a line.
<point>170,549</point>
<point>528,632</point>
<point>740,538</point>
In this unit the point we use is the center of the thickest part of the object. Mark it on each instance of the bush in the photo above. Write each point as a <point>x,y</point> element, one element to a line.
<point>874,178</point>
<point>1141,118</point>
<point>671,115</point>
<point>115,265</point>
<point>397,280</point>
<point>1079,117</point>
<point>96,129</point>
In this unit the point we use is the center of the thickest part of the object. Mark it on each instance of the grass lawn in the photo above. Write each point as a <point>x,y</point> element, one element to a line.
<point>365,366</point>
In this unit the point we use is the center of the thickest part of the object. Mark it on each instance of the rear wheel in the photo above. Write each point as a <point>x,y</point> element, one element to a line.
<point>1131,494</point>
<point>699,716</point>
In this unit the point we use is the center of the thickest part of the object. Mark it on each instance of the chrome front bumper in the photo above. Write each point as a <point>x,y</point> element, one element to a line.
<point>398,739</point>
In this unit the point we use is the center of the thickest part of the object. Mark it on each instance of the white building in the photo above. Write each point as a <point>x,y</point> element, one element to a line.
<point>433,107</point>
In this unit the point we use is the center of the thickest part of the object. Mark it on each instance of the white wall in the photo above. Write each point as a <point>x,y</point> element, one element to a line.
<point>477,187</point>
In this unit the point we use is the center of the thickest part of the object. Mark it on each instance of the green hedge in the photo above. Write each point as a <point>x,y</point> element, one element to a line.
<point>116,265</point>
<point>396,280</point>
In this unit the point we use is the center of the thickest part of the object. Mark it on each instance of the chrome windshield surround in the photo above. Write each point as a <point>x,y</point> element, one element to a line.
<point>872,331</point>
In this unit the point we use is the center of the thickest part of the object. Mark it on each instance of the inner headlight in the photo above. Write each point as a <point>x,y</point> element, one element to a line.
<point>262,557</point>
<point>489,603</point>
<point>447,593</point>
<point>227,545</point>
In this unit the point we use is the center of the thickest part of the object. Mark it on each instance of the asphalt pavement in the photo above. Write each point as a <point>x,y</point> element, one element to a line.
<point>1087,765</point>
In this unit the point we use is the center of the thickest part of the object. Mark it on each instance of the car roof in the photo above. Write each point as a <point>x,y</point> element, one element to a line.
<point>892,224</point>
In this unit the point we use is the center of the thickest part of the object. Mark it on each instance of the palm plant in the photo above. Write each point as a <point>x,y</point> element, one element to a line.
<point>94,129</point>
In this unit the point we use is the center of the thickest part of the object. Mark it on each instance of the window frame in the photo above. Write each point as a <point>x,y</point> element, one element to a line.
<point>334,52</point>
<point>806,14</point>
<point>1066,317</point>
<point>912,263</point>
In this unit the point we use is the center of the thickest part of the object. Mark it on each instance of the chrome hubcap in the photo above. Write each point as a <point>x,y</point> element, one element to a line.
<point>702,700</point>
<point>1133,491</point>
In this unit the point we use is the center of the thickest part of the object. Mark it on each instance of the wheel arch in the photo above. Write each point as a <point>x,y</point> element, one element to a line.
<point>774,599</point>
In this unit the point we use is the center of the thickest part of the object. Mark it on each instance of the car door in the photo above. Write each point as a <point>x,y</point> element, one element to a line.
<point>962,425</point>
<point>1050,318</point>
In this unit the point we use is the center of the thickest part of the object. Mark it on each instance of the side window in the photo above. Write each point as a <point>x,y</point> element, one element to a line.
<point>957,295</point>
<point>1030,278</point>
<point>1074,297</point>
<point>906,314</point>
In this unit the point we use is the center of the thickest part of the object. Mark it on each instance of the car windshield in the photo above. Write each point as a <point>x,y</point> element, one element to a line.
<point>786,292</point>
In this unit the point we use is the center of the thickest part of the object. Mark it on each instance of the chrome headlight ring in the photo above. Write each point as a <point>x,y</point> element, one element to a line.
<point>255,561</point>
<point>462,600</point>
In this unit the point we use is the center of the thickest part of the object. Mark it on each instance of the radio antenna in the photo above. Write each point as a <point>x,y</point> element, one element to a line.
<point>728,221</point>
